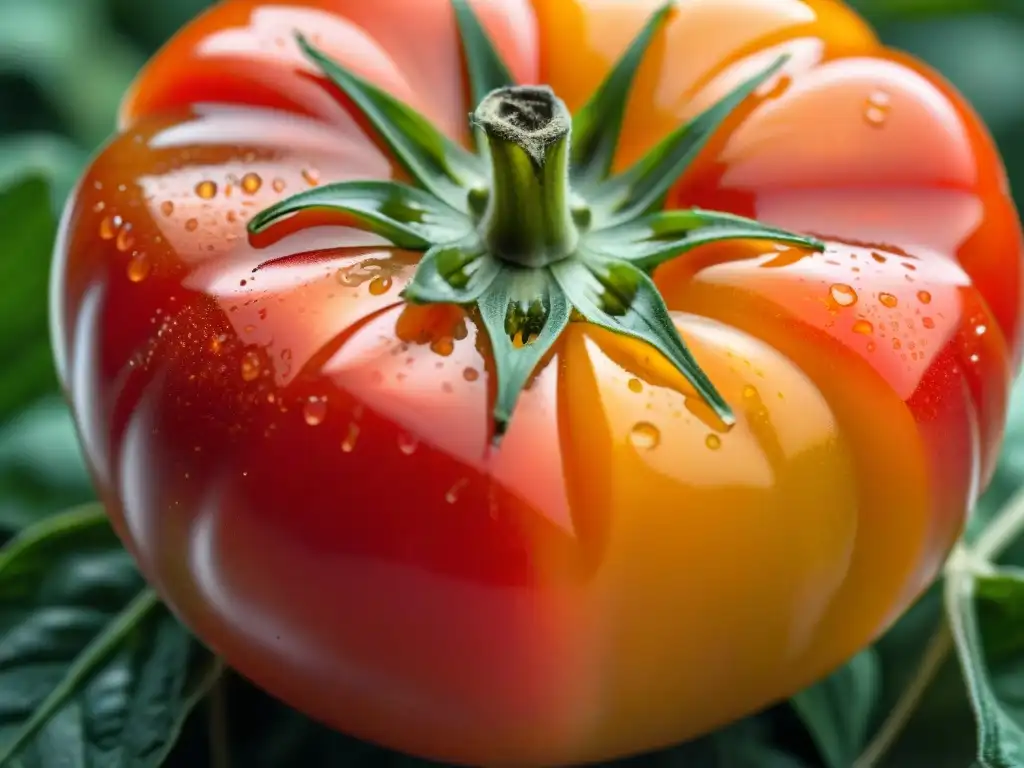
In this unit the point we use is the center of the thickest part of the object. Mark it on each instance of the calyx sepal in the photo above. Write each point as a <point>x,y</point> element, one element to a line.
<point>534,230</point>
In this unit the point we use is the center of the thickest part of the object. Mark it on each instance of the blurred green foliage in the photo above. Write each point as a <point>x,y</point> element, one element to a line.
<point>64,65</point>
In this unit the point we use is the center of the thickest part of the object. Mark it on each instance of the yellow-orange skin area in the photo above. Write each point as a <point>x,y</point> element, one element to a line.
<point>302,464</point>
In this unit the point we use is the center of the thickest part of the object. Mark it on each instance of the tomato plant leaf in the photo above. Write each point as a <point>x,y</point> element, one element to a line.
<point>838,710</point>
<point>746,744</point>
<point>522,330</point>
<point>452,274</point>
<point>620,297</point>
<point>597,126</point>
<point>29,228</point>
<point>484,65</point>
<point>986,614</point>
<point>408,217</point>
<point>643,186</point>
<point>41,466</point>
<point>652,240</point>
<point>436,162</point>
<point>93,669</point>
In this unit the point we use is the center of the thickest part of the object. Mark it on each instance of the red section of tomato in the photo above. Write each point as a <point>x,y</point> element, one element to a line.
<point>301,462</point>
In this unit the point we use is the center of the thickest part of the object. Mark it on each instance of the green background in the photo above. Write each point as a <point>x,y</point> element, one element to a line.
<point>63,67</point>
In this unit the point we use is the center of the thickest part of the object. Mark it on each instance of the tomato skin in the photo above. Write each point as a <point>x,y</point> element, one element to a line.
<point>300,463</point>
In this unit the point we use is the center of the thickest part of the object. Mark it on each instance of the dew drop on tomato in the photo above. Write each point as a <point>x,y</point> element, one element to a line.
<point>645,436</point>
<point>843,295</point>
<point>206,189</point>
<point>351,437</point>
<point>250,366</point>
<point>251,183</point>
<point>888,300</point>
<point>315,411</point>
<point>407,444</point>
<point>139,268</point>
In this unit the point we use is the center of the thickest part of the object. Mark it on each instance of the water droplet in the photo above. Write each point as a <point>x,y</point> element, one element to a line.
<point>250,366</point>
<point>924,297</point>
<point>714,442</point>
<point>863,327</point>
<point>167,208</point>
<point>380,285</point>
<point>876,109</point>
<point>407,444</point>
<point>974,358</point>
<point>315,411</point>
<point>645,436</point>
<point>311,176</point>
<point>191,225</point>
<point>453,493</point>
<point>443,347</point>
<point>109,227</point>
<point>206,189</point>
<point>251,183</point>
<point>139,268</point>
<point>981,330</point>
<point>471,374</point>
<point>927,322</point>
<point>887,300</point>
<point>843,295</point>
<point>635,385</point>
<point>351,437</point>
<point>125,239</point>
<point>279,185</point>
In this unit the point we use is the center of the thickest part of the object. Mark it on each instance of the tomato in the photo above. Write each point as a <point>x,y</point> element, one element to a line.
<point>302,461</point>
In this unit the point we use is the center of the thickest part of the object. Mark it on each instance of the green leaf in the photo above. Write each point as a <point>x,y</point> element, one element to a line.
<point>523,321</point>
<point>436,162</point>
<point>487,72</point>
<point>408,217</point>
<point>93,670</point>
<point>618,296</point>
<point>986,614</point>
<point>746,744</point>
<point>597,126</point>
<point>46,155</point>
<point>643,187</point>
<point>29,228</point>
<point>838,710</point>
<point>651,241</point>
<point>41,466</point>
<point>452,274</point>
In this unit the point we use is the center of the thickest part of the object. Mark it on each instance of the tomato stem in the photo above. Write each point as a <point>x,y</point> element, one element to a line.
<point>528,219</point>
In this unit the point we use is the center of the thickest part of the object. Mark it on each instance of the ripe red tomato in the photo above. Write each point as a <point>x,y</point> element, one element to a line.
<point>301,461</point>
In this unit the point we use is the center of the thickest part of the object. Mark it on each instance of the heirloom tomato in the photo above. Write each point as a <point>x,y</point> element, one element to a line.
<point>632,404</point>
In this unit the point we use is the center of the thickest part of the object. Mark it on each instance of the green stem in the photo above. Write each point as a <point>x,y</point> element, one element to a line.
<point>528,219</point>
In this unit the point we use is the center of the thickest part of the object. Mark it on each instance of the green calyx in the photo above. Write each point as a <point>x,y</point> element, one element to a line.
<point>534,231</point>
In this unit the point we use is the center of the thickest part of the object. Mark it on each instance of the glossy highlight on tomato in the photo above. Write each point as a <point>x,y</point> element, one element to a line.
<point>303,462</point>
